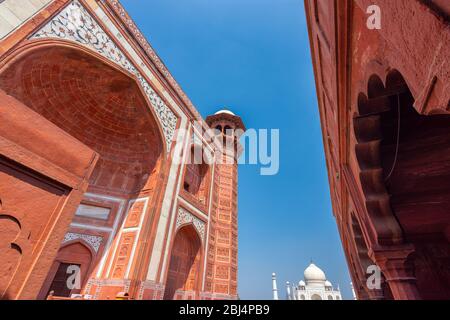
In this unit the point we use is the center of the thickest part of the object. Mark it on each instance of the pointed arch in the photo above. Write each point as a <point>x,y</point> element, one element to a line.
<point>184,274</point>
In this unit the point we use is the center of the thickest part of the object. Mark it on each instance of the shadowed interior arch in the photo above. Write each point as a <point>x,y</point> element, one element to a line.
<point>95,103</point>
<point>196,176</point>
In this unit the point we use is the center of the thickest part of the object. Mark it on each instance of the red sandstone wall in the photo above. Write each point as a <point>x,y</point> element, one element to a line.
<point>413,39</point>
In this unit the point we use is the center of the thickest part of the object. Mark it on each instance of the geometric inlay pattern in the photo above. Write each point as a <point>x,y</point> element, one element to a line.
<point>93,241</point>
<point>185,217</point>
<point>74,23</point>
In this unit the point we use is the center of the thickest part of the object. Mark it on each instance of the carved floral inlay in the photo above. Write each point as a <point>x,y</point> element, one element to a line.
<point>185,217</point>
<point>93,241</point>
<point>74,23</point>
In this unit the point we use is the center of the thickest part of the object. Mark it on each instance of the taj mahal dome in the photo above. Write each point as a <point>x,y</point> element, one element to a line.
<point>315,286</point>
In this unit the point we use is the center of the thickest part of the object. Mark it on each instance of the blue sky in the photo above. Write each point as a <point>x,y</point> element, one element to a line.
<point>253,56</point>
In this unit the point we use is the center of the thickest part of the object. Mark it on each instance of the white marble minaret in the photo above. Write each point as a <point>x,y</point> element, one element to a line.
<point>274,286</point>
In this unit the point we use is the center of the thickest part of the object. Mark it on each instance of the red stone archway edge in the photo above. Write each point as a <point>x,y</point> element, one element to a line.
<point>367,131</point>
<point>87,267</point>
<point>91,34</point>
<point>185,218</point>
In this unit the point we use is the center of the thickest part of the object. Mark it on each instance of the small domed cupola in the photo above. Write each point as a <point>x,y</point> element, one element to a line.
<point>225,121</point>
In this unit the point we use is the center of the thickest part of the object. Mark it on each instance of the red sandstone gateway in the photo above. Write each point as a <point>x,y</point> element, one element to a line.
<point>92,202</point>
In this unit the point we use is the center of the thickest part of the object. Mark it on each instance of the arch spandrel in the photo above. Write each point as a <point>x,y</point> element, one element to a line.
<point>185,218</point>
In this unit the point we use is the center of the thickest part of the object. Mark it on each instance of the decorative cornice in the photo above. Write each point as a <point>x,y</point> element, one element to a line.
<point>74,23</point>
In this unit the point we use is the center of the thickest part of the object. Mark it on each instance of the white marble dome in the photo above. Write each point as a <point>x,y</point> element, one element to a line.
<point>313,274</point>
<point>328,284</point>
<point>225,111</point>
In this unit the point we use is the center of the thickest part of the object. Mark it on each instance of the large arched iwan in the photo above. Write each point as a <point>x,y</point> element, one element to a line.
<point>404,160</point>
<point>183,278</point>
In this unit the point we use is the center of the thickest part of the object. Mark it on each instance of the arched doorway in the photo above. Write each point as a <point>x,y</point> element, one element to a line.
<point>183,278</point>
<point>71,258</point>
<point>404,159</point>
<point>316,297</point>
